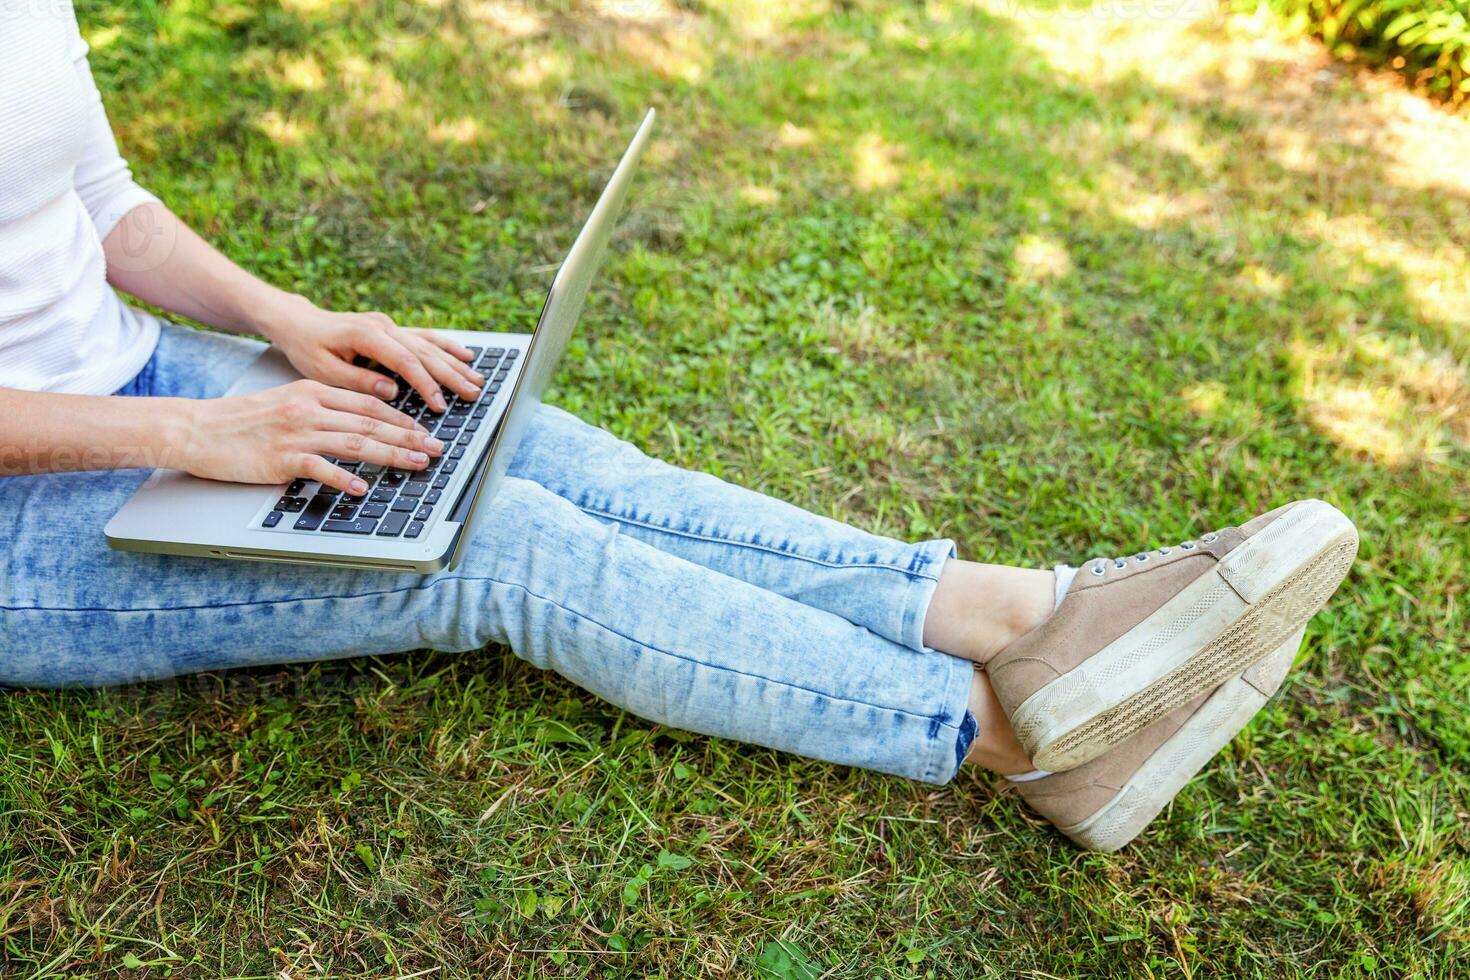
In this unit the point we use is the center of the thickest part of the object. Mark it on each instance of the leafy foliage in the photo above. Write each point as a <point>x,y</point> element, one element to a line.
<point>1427,40</point>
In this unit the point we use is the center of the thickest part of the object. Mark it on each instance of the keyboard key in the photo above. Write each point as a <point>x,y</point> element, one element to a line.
<point>359,526</point>
<point>473,425</point>
<point>392,478</point>
<point>493,387</point>
<point>441,481</point>
<point>414,488</point>
<point>448,466</point>
<point>392,525</point>
<point>512,354</point>
<point>312,516</point>
<point>432,497</point>
<point>502,374</point>
<point>271,519</point>
<point>405,504</point>
<point>373,510</point>
<point>346,512</point>
<point>294,490</point>
<point>382,495</point>
<point>481,409</point>
<point>425,512</point>
<point>415,528</point>
<point>497,351</point>
<point>291,505</point>
<point>457,452</point>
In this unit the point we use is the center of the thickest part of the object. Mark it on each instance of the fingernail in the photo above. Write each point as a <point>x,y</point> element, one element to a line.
<point>433,445</point>
<point>417,458</point>
<point>357,488</point>
<point>438,402</point>
<point>479,378</point>
<point>385,389</point>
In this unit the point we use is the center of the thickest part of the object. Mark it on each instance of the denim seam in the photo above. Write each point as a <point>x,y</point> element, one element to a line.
<point>509,585</point>
<point>916,568</point>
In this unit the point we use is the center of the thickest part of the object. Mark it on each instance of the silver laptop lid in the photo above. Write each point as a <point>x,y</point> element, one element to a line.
<point>559,316</point>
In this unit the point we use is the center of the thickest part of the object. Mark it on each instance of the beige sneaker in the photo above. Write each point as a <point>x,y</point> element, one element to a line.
<point>1137,638</point>
<point>1107,802</point>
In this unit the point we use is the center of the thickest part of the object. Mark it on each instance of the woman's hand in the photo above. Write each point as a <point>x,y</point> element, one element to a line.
<point>282,433</point>
<point>322,344</point>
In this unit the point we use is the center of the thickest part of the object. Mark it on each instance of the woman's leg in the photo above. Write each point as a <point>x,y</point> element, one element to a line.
<point>918,595</point>
<point>662,637</point>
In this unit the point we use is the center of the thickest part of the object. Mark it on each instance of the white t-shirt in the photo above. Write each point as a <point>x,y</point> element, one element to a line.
<point>63,187</point>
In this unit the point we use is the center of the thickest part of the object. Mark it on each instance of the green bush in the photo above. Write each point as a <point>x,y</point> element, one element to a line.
<point>1427,40</point>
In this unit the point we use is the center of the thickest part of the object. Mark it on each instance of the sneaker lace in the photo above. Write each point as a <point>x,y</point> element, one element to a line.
<point>1100,566</point>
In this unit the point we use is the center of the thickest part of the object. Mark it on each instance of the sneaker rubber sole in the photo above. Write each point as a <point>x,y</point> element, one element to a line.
<point>1174,763</point>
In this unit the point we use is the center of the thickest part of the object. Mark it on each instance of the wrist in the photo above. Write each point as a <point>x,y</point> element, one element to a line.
<point>178,431</point>
<point>273,315</point>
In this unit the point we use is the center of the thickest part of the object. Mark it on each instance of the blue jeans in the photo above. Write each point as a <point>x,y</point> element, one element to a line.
<point>673,594</point>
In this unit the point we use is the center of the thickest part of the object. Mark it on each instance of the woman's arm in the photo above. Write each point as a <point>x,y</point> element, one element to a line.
<point>42,432</point>
<point>157,258</point>
<point>268,437</point>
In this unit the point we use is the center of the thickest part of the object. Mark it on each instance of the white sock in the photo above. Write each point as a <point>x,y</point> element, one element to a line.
<point>1026,777</point>
<point>1064,576</point>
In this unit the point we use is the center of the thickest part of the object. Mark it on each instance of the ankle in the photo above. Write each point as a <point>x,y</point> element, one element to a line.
<point>995,746</point>
<point>1030,608</point>
<point>979,610</point>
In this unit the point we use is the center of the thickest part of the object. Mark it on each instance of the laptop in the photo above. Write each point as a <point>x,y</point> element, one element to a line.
<point>408,521</point>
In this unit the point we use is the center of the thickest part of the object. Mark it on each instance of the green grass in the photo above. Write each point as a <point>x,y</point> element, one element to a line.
<point>1003,275</point>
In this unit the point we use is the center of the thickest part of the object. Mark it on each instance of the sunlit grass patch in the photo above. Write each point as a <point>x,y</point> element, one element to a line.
<point>1385,397</point>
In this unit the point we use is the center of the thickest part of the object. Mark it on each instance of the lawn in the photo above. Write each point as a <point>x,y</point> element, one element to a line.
<point>1052,281</point>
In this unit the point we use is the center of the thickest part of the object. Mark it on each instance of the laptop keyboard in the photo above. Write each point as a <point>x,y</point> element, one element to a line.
<point>398,503</point>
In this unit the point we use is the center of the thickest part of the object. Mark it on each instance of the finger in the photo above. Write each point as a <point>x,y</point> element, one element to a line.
<point>436,348</point>
<point>458,377</point>
<point>354,445</point>
<point>444,343</point>
<point>313,467</point>
<point>380,431</point>
<point>348,401</point>
<point>388,351</point>
<point>343,375</point>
